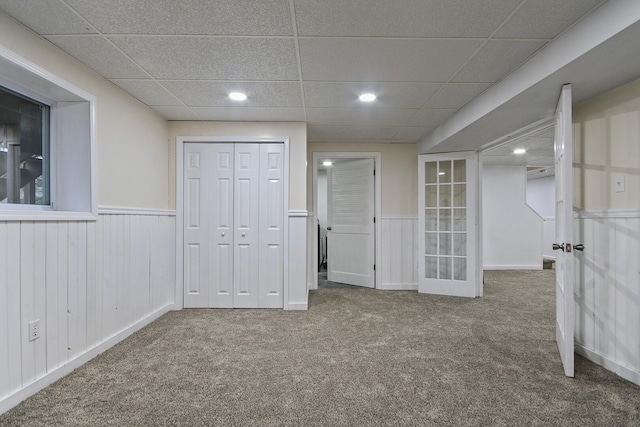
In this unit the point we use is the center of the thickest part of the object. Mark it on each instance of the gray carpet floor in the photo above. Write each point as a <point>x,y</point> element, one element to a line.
<point>357,357</point>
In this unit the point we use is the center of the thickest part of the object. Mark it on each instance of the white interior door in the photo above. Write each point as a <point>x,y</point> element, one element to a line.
<point>563,147</point>
<point>449,225</point>
<point>271,254</point>
<point>246,220</point>
<point>233,229</point>
<point>350,219</point>
<point>197,176</point>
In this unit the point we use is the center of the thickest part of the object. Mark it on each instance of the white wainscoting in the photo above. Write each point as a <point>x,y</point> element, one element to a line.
<point>296,287</point>
<point>312,251</point>
<point>90,283</point>
<point>399,253</point>
<point>608,291</point>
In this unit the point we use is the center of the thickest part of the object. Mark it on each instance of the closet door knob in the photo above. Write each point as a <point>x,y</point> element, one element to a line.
<point>222,234</point>
<point>243,234</point>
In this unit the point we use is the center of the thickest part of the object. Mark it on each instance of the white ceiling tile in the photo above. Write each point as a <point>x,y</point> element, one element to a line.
<point>99,54</point>
<point>176,113</point>
<point>412,134</point>
<point>213,58</point>
<point>148,91</point>
<point>545,19</point>
<point>406,18</point>
<point>52,16</point>
<point>196,17</point>
<point>496,59</point>
<point>351,132</point>
<point>249,114</point>
<point>390,95</point>
<point>215,94</point>
<point>431,118</point>
<point>363,116</point>
<point>410,60</point>
<point>456,95</point>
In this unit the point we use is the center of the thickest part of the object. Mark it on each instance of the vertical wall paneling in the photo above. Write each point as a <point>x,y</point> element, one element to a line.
<point>27,294</point>
<point>312,253</point>
<point>297,295</point>
<point>39,300</point>
<point>607,292</point>
<point>89,283</point>
<point>91,274</point>
<point>14,323</point>
<point>399,253</point>
<point>4,318</point>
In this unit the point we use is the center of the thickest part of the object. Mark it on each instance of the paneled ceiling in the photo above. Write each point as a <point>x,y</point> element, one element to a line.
<point>305,60</point>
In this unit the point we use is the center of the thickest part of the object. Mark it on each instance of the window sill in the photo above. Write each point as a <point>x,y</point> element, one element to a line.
<point>17,215</point>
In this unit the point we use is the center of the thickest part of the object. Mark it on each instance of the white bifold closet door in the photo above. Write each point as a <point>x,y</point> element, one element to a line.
<point>233,228</point>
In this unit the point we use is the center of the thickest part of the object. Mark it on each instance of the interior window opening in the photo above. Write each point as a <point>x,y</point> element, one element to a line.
<point>24,150</point>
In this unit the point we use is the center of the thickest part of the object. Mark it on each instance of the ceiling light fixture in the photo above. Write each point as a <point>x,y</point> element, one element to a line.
<point>519,151</point>
<point>367,97</point>
<point>238,96</point>
<point>440,173</point>
<point>327,163</point>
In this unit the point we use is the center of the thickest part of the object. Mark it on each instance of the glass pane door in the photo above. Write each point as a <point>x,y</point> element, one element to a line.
<point>445,219</point>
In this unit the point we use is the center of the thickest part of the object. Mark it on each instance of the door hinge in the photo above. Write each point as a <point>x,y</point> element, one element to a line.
<point>374,172</point>
<point>374,267</point>
<point>374,219</point>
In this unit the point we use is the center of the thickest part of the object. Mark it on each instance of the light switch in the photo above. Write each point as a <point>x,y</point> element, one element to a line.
<point>618,183</point>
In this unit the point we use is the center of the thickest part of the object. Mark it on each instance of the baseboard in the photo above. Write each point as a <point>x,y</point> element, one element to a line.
<point>512,267</point>
<point>398,286</point>
<point>65,369</point>
<point>611,365</point>
<point>298,306</point>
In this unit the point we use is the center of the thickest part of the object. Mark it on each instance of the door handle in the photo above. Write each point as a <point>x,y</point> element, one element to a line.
<point>579,247</point>
<point>558,246</point>
<point>244,234</point>
<point>328,228</point>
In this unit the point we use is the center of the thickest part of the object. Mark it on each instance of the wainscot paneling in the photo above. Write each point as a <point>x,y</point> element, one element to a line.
<point>399,253</point>
<point>296,282</point>
<point>89,283</point>
<point>607,291</point>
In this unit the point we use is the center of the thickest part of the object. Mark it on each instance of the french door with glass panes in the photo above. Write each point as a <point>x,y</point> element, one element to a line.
<point>448,245</point>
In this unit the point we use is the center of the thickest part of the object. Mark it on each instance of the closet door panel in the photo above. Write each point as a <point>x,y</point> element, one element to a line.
<point>271,225</point>
<point>221,231</point>
<point>246,225</point>
<point>197,169</point>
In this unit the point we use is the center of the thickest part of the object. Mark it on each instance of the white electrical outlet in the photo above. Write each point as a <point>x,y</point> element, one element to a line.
<point>618,183</point>
<point>34,330</point>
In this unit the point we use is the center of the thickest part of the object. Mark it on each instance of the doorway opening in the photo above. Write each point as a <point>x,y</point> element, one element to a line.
<point>346,213</point>
<point>518,175</point>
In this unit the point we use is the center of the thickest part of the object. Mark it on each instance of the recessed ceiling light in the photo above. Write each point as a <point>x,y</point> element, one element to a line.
<point>519,151</point>
<point>327,163</point>
<point>237,96</point>
<point>367,97</point>
<point>440,173</point>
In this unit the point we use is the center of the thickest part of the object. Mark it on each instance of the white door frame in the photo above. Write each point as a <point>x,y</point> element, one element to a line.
<point>180,141</point>
<point>377,157</point>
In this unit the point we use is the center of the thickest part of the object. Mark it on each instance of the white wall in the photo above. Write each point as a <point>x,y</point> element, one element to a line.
<point>91,284</point>
<point>131,138</point>
<point>512,232</point>
<point>607,131</point>
<point>541,194</point>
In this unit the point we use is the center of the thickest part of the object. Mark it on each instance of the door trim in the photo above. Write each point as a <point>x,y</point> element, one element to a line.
<point>377,203</point>
<point>180,141</point>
